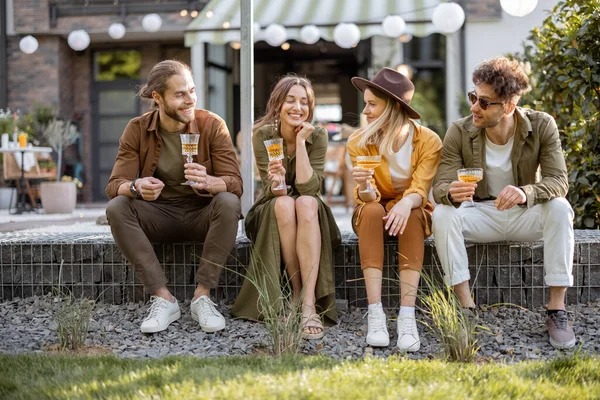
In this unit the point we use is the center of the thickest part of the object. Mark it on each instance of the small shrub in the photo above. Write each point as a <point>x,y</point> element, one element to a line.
<point>282,315</point>
<point>73,317</point>
<point>455,327</point>
<point>450,324</point>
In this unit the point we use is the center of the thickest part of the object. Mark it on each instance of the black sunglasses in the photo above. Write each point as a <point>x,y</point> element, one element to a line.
<point>484,104</point>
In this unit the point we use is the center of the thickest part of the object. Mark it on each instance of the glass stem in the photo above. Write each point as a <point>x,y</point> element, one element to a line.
<point>189,158</point>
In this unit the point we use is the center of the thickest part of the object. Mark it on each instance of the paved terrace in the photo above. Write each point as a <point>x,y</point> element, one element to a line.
<point>33,247</point>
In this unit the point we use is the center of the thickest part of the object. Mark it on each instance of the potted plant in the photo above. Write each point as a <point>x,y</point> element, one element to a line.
<point>6,121</point>
<point>59,196</point>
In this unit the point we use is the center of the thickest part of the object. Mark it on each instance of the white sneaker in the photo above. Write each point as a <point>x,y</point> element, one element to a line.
<point>408,335</point>
<point>377,328</point>
<point>162,312</point>
<point>204,311</point>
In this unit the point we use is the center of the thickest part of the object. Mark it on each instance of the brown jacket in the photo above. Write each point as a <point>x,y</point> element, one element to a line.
<point>536,146</point>
<point>139,151</point>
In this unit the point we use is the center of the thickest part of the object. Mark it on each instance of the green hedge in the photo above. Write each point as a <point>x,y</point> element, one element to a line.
<point>564,55</point>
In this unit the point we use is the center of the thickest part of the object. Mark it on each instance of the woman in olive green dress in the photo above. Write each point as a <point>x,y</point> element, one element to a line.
<point>292,228</point>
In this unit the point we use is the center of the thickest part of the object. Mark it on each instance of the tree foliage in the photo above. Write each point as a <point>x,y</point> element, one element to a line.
<point>564,54</point>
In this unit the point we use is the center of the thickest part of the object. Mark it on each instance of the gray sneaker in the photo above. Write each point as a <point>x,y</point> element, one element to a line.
<point>560,332</point>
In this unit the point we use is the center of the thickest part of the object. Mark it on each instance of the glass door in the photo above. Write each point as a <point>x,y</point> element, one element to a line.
<point>114,104</point>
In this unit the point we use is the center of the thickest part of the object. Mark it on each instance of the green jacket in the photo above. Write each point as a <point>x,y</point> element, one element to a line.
<point>536,147</point>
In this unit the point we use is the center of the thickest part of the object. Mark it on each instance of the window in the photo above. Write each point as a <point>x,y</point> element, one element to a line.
<point>117,65</point>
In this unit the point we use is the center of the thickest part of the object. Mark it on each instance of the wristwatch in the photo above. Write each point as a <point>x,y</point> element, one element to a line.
<point>133,190</point>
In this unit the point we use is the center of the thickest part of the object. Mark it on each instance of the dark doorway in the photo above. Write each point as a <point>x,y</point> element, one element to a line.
<point>114,104</point>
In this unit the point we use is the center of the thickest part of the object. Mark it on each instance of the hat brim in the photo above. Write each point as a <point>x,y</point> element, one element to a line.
<point>362,83</point>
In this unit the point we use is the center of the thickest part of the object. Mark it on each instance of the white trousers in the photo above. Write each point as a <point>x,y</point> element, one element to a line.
<point>551,221</point>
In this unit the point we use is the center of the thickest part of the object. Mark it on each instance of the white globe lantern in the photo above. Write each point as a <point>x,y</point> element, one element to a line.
<point>116,31</point>
<point>346,35</point>
<point>78,40</point>
<point>393,26</point>
<point>310,34</point>
<point>151,22</point>
<point>518,8</point>
<point>275,35</point>
<point>448,17</point>
<point>28,44</point>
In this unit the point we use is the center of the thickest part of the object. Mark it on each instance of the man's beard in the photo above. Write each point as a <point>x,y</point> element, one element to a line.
<point>172,113</point>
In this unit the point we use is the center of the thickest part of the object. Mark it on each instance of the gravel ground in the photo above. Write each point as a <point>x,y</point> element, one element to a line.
<point>28,326</point>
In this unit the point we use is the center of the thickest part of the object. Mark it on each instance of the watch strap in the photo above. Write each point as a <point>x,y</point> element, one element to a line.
<point>133,190</point>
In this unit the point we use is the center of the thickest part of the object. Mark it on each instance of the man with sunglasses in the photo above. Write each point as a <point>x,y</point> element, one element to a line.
<point>512,145</point>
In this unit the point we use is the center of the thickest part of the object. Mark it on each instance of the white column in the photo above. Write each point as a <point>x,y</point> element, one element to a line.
<point>199,73</point>
<point>247,101</point>
<point>453,77</point>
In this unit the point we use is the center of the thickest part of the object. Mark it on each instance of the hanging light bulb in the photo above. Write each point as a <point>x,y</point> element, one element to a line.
<point>275,35</point>
<point>448,17</point>
<point>151,22</point>
<point>310,34</point>
<point>116,31</point>
<point>518,8</point>
<point>346,35</point>
<point>393,25</point>
<point>78,40</point>
<point>405,37</point>
<point>28,44</point>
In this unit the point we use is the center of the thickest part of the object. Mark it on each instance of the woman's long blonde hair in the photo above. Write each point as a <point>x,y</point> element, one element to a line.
<point>277,98</point>
<point>387,129</point>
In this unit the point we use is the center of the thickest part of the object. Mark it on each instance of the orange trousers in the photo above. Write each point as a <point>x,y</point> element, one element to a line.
<point>371,235</point>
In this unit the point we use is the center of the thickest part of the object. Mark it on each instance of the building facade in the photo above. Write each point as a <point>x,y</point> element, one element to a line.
<point>97,87</point>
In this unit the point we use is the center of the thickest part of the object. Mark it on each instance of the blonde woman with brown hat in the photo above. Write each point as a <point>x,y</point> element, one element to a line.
<point>392,189</point>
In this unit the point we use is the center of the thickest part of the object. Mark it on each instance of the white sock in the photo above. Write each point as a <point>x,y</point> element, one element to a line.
<point>407,311</point>
<point>375,306</point>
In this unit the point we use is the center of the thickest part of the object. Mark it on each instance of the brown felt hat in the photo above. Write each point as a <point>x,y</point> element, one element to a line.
<point>392,83</point>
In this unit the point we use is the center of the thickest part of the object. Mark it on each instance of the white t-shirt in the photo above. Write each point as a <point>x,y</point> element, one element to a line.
<point>498,166</point>
<point>399,164</point>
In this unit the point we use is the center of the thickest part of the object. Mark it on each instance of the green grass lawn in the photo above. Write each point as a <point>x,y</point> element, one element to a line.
<point>37,377</point>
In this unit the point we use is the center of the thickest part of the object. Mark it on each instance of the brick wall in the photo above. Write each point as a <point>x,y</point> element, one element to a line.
<point>31,15</point>
<point>34,78</point>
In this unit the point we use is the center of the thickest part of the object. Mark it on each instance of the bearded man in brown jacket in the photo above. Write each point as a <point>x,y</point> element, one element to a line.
<point>149,203</point>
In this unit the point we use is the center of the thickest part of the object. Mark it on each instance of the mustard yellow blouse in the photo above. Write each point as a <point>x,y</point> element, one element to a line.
<point>427,150</point>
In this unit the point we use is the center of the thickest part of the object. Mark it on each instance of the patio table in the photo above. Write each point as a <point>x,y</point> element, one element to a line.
<point>21,201</point>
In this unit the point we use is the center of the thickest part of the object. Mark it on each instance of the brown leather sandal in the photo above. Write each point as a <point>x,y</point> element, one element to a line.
<point>314,321</point>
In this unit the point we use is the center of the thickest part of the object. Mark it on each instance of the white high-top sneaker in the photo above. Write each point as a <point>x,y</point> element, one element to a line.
<point>408,335</point>
<point>204,311</point>
<point>162,312</point>
<point>377,335</point>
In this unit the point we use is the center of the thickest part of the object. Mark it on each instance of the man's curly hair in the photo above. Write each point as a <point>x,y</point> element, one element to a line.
<point>506,77</point>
